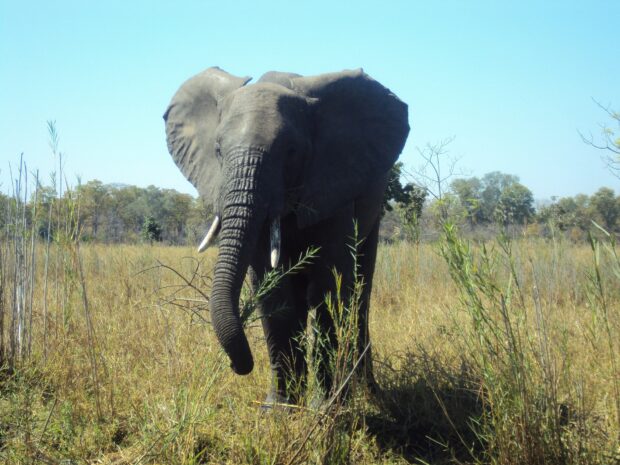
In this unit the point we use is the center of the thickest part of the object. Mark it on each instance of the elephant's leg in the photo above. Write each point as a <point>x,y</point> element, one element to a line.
<point>326,343</point>
<point>366,261</point>
<point>284,319</point>
<point>335,237</point>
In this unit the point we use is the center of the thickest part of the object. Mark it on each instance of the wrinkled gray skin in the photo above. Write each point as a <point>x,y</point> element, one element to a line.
<point>312,151</point>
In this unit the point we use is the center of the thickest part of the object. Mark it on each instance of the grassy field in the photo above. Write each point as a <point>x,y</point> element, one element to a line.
<point>506,354</point>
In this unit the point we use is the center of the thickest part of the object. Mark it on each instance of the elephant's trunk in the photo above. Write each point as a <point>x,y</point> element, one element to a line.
<point>243,214</point>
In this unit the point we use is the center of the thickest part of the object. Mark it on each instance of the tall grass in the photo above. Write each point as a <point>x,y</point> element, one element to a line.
<point>527,418</point>
<point>17,271</point>
<point>451,389</point>
<point>499,352</point>
<point>604,312</point>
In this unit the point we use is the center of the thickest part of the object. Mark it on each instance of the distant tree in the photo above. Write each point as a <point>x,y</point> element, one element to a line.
<point>582,218</point>
<point>408,200</point>
<point>151,230</point>
<point>198,221</point>
<point>131,210</point>
<point>46,224</point>
<point>496,196</point>
<point>579,211</point>
<point>448,207</point>
<point>117,213</point>
<point>173,214</point>
<point>123,214</point>
<point>436,172</point>
<point>515,205</point>
<point>605,207</point>
<point>94,199</point>
<point>395,191</point>
<point>563,213</point>
<point>410,212</point>
<point>469,193</point>
<point>493,184</point>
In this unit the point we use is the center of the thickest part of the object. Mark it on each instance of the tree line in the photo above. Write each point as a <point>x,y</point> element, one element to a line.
<point>495,199</point>
<point>112,213</point>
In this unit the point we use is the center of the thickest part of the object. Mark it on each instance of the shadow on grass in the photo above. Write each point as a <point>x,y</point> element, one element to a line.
<point>426,410</point>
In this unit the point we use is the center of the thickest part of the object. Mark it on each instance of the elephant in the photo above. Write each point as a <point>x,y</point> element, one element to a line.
<point>287,163</point>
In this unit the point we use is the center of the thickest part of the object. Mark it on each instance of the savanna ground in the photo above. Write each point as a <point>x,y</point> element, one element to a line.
<point>502,353</point>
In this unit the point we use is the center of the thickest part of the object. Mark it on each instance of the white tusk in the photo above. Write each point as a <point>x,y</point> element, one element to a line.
<point>275,242</point>
<point>213,230</point>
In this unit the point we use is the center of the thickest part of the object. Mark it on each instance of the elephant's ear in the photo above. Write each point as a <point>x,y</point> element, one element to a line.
<point>360,129</point>
<point>191,120</point>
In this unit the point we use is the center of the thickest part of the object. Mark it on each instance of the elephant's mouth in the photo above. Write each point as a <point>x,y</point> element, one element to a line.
<point>275,236</point>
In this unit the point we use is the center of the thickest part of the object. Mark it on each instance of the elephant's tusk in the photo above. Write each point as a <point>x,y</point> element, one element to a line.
<point>213,230</point>
<point>275,242</point>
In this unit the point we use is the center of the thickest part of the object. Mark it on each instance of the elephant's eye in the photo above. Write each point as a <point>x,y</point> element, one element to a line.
<point>218,151</point>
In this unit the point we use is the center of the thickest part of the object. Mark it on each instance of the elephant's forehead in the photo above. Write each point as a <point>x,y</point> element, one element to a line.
<point>262,95</point>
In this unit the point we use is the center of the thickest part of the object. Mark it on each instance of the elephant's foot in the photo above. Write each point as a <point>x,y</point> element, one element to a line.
<point>277,401</point>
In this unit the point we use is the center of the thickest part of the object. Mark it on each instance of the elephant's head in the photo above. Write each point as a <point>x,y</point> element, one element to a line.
<point>287,144</point>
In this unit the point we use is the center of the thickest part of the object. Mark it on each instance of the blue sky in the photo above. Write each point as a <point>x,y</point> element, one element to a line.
<point>512,83</point>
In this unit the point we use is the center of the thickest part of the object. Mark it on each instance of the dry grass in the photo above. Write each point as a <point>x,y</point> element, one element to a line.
<point>147,382</point>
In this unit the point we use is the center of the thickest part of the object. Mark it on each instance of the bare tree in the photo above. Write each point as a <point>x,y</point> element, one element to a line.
<point>610,140</point>
<point>438,168</point>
